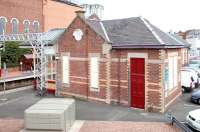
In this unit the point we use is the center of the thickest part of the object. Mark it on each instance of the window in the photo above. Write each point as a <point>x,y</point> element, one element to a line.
<point>3,22</point>
<point>36,26</point>
<point>173,72</point>
<point>94,73</point>
<point>26,26</point>
<point>14,23</point>
<point>65,69</point>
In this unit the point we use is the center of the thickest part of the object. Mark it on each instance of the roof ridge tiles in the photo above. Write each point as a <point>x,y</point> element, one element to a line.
<point>104,31</point>
<point>152,30</point>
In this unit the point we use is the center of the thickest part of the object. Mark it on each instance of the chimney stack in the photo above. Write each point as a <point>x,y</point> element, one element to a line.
<point>80,14</point>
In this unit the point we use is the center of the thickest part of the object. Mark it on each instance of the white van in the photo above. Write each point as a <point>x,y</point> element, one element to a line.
<point>187,80</point>
<point>194,75</point>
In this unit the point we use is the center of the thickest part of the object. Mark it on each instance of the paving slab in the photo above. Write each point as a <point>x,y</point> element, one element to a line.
<point>16,125</point>
<point>11,125</point>
<point>117,126</point>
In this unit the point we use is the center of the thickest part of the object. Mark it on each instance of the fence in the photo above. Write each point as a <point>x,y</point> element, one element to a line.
<point>177,123</point>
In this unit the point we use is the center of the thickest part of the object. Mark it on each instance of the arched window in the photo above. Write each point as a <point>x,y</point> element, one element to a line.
<point>14,23</point>
<point>3,22</point>
<point>26,26</point>
<point>36,26</point>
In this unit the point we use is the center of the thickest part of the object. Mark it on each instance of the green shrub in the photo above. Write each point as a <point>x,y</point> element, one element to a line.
<point>12,54</point>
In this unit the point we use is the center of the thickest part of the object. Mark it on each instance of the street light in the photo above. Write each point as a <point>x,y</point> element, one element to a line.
<point>21,65</point>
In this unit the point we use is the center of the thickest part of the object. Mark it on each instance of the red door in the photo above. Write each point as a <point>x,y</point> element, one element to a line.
<point>137,79</point>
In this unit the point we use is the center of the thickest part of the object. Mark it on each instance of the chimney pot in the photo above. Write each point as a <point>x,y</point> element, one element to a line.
<point>80,13</point>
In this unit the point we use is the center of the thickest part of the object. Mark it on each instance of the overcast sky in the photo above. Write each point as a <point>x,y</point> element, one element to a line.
<point>168,15</point>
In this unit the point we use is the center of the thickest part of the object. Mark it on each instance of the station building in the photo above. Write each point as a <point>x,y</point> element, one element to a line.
<point>125,61</point>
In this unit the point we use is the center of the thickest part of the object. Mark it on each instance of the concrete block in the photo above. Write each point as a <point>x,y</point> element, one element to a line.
<point>51,114</point>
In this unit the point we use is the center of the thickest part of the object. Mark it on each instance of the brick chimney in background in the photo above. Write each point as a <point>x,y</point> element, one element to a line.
<point>81,14</point>
<point>94,17</point>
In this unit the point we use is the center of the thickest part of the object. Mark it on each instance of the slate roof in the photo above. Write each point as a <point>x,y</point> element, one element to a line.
<point>181,40</point>
<point>135,32</point>
<point>96,26</point>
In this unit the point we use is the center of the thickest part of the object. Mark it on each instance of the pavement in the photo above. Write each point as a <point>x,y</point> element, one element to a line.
<point>11,125</point>
<point>16,125</point>
<point>13,109</point>
<point>21,100</point>
<point>117,126</point>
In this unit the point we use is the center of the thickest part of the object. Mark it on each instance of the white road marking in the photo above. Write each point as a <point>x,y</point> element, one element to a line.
<point>191,105</point>
<point>11,101</point>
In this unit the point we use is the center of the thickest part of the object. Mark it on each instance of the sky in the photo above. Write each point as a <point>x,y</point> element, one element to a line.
<point>168,15</point>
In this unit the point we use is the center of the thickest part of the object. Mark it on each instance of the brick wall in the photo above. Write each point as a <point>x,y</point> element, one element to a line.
<point>49,14</point>
<point>175,92</point>
<point>120,90</point>
<point>79,62</point>
<point>21,9</point>
<point>58,14</point>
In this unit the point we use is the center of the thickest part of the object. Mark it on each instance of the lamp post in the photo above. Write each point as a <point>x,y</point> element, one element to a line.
<point>21,65</point>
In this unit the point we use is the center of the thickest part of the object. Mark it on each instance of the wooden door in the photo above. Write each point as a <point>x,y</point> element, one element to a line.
<point>137,78</point>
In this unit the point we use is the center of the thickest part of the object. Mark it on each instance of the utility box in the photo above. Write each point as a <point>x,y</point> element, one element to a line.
<point>53,114</point>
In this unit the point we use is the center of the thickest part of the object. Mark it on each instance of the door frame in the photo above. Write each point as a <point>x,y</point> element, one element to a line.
<point>145,57</point>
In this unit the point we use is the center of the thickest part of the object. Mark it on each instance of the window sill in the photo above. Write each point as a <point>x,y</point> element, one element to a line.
<point>94,89</point>
<point>65,85</point>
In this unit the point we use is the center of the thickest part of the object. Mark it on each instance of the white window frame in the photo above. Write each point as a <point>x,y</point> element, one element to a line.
<point>16,25</point>
<point>173,71</point>
<point>94,73</point>
<point>2,17</point>
<point>171,81</point>
<point>28,25</point>
<point>38,25</point>
<point>65,69</point>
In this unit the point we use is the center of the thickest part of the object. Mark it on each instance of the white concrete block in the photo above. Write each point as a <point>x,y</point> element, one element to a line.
<point>45,119</point>
<point>51,114</point>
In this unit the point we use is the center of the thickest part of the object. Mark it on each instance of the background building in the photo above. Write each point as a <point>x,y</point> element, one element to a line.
<point>93,9</point>
<point>22,16</point>
<point>18,16</point>
<point>193,37</point>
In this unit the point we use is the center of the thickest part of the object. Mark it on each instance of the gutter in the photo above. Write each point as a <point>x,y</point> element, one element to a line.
<point>147,47</point>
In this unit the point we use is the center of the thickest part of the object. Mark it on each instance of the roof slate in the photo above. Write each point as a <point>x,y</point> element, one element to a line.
<point>134,32</point>
<point>181,40</point>
<point>96,26</point>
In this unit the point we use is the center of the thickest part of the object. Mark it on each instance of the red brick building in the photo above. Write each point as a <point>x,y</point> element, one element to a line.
<point>126,61</point>
<point>21,16</point>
